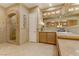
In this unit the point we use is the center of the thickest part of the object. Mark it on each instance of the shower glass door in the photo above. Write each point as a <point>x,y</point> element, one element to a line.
<point>12,22</point>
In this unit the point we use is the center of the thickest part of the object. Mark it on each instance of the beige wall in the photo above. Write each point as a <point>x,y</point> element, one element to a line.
<point>2,25</point>
<point>34,20</point>
<point>40,19</point>
<point>33,24</point>
<point>74,29</point>
<point>24,29</point>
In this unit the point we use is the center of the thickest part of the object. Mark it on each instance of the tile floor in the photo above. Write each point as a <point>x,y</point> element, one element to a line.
<point>28,49</point>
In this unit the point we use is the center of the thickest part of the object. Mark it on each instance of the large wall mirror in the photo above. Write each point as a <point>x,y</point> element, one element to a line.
<point>61,16</point>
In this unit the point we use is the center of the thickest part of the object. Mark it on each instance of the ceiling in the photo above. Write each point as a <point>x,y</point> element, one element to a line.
<point>41,5</point>
<point>6,4</point>
<point>30,5</point>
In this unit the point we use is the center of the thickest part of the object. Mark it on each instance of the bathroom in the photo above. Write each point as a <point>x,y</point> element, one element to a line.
<point>38,26</point>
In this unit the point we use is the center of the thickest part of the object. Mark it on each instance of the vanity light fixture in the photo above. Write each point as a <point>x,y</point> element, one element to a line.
<point>59,25</point>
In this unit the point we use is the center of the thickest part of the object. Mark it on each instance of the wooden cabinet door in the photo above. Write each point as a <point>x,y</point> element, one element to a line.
<point>42,37</point>
<point>72,22</point>
<point>51,37</point>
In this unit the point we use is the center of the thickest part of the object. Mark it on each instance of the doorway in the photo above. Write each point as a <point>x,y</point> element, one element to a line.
<point>12,27</point>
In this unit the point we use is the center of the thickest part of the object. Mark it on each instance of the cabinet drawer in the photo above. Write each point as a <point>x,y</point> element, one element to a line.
<point>51,37</point>
<point>42,37</point>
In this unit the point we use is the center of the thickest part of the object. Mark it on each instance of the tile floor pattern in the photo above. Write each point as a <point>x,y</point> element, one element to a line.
<point>28,49</point>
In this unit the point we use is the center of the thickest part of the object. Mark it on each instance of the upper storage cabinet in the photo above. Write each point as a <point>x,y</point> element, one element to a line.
<point>72,22</point>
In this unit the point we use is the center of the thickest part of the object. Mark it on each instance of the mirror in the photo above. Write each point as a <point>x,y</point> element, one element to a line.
<point>64,16</point>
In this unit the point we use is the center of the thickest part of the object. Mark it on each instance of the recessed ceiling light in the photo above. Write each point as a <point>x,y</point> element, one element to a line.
<point>50,5</point>
<point>76,8</point>
<point>45,14</point>
<point>71,9</point>
<point>42,23</point>
<point>50,9</point>
<point>49,13</point>
<point>53,12</point>
<point>75,3</point>
<point>52,21</point>
<point>58,11</point>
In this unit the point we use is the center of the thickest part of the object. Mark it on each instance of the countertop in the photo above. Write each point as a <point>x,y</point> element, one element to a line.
<point>67,35</point>
<point>68,47</point>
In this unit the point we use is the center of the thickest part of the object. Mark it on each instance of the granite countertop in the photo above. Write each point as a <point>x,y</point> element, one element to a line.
<point>67,35</point>
<point>69,47</point>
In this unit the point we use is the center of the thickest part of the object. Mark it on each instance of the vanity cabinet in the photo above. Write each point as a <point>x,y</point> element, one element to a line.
<point>47,37</point>
<point>72,22</point>
<point>42,37</point>
<point>51,37</point>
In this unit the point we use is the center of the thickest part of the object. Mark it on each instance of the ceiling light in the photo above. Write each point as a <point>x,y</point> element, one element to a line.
<point>52,21</point>
<point>50,9</point>
<point>49,13</point>
<point>42,23</point>
<point>45,14</point>
<point>71,9</point>
<point>50,5</point>
<point>64,20</point>
<point>64,24</point>
<point>53,12</point>
<point>75,4</point>
<point>76,8</point>
<point>58,11</point>
<point>52,24</point>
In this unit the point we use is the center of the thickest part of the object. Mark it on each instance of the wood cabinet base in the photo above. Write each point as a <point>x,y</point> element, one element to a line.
<point>47,37</point>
